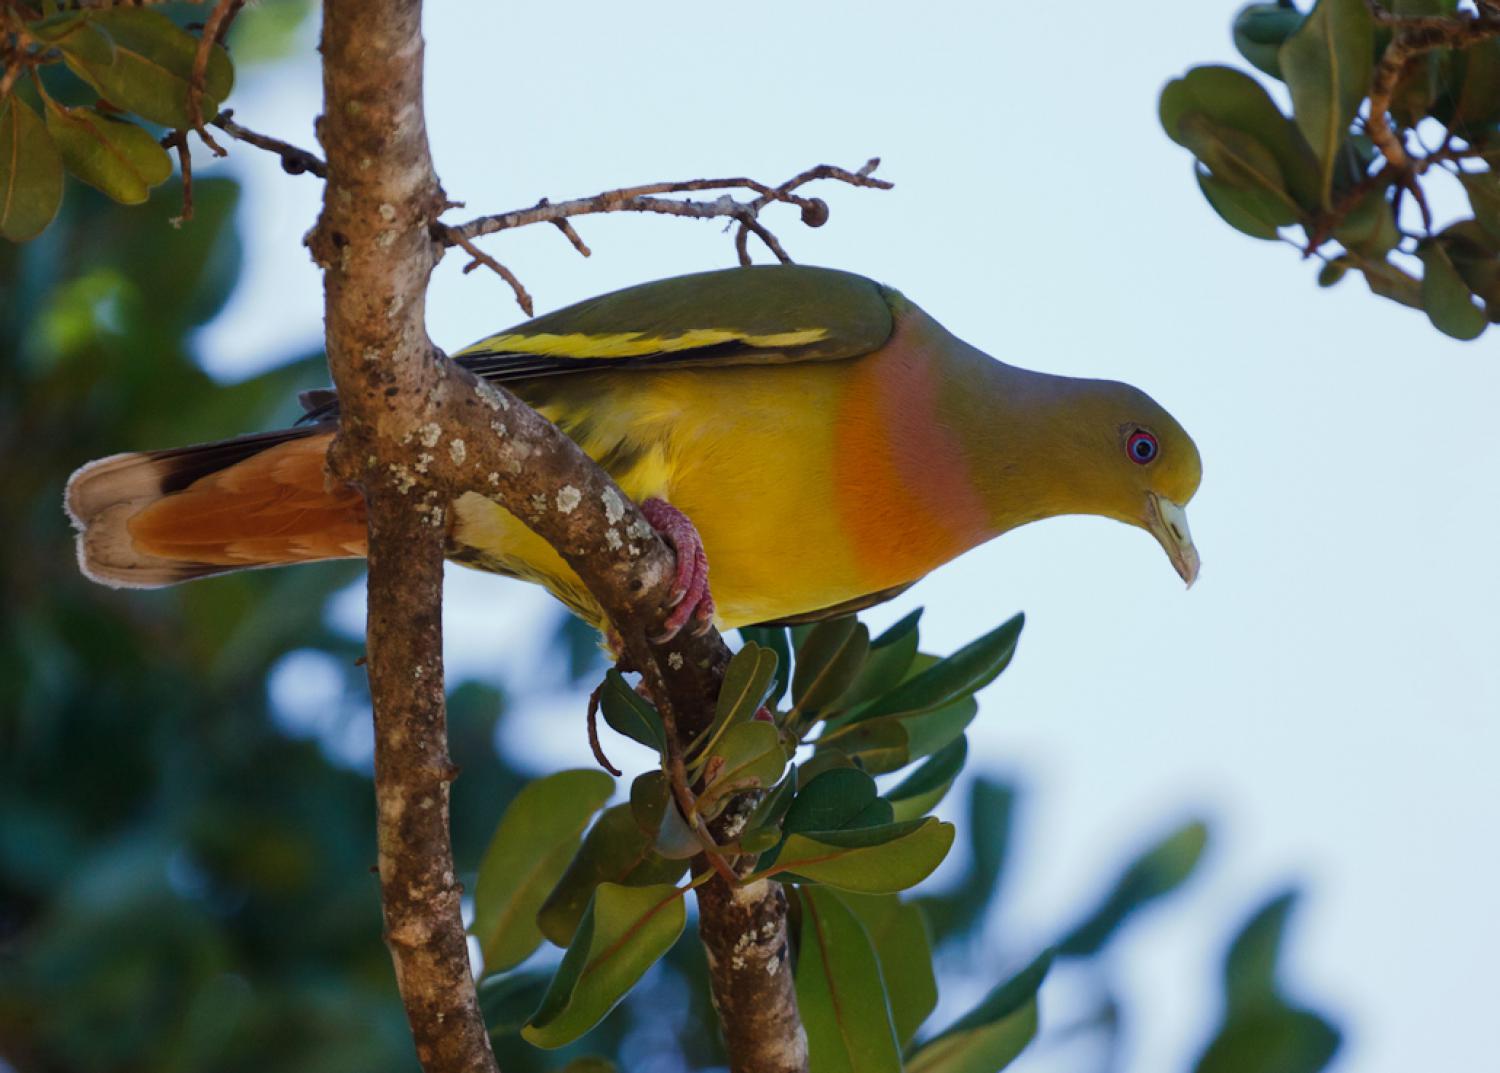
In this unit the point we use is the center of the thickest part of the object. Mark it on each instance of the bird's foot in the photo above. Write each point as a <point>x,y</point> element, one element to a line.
<point>690,599</point>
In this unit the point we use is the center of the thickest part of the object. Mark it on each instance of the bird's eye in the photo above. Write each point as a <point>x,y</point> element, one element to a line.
<point>1141,447</point>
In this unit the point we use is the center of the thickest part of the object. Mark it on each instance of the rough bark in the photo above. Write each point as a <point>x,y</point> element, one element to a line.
<point>417,432</point>
<point>744,935</point>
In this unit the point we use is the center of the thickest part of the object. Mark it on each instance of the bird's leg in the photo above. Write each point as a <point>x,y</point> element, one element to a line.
<point>690,599</point>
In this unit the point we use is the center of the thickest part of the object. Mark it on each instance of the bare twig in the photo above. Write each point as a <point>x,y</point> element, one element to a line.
<point>294,161</point>
<point>592,717</point>
<point>219,20</point>
<point>648,198</point>
<point>178,141</point>
<point>523,299</point>
<point>572,236</point>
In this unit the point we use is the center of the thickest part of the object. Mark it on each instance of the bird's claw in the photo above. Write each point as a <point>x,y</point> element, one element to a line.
<point>690,600</point>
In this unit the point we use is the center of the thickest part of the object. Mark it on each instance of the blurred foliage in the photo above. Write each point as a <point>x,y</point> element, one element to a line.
<point>100,92</point>
<point>1432,71</point>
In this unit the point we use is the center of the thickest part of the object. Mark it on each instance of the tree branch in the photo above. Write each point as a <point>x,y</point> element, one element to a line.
<point>219,20</point>
<point>372,244</point>
<point>294,161</point>
<point>1411,38</point>
<point>647,198</point>
<point>416,433</point>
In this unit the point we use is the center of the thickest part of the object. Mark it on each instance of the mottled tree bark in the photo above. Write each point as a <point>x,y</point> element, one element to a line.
<point>416,433</point>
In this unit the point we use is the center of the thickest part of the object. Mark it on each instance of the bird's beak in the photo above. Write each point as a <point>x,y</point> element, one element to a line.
<point>1168,523</point>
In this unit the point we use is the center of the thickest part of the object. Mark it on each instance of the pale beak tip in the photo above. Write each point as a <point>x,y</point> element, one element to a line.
<point>1167,521</point>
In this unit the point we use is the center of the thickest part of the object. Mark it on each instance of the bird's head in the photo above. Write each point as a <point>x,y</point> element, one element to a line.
<point>1139,465</point>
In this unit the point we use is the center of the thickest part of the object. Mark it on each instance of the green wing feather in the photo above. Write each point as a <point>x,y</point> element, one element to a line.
<point>738,316</point>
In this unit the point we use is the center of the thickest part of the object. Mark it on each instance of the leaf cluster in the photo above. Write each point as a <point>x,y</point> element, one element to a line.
<point>832,748</point>
<point>1320,170</point>
<point>85,88</point>
<point>800,742</point>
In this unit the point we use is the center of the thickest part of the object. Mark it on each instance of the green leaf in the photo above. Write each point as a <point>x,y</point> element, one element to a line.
<point>890,742</point>
<point>1259,32</point>
<point>921,791</point>
<point>630,714</point>
<point>1475,253</point>
<point>990,1036</point>
<point>772,810</point>
<point>965,672</point>
<point>30,172</point>
<point>834,800</point>
<point>1251,212</point>
<point>869,860</point>
<point>774,638</point>
<point>750,756</point>
<point>1279,1039</point>
<point>656,815</point>
<point>747,682</point>
<point>931,732</point>
<point>649,795</point>
<point>828,663</point>
<point>1445,296</point>
<point>506,1002</point>
<point>1231,99</point>
<point>1333,271</point>
<point>623,933</point>
<point>1250,967</point>
<point>1478,103</point>
<point>823,760</point>
<point>1157,872</point>
<point>1389,281</point>
<point>114,156</point>
<point>148,68</point>
<point>532,845</point>
<point>840,994</point>
<point>1483,188</point>
<point>877,746</point>
<point>1327,65</point>
<point>899,934</point>
<point>615,850</point>
<point>1369,228</point>
<point>1240,161</point>
<point>888,664</point>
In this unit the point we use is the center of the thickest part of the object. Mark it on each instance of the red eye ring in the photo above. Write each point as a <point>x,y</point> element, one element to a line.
<point>1142,447</point>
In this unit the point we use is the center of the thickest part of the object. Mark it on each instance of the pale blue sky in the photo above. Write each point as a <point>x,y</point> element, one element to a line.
<point>1328,694</point>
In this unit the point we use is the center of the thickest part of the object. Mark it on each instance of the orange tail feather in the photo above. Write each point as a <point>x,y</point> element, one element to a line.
<point>157,518</point>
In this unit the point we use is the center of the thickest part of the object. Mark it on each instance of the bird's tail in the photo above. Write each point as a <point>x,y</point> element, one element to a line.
<point>160,517</point>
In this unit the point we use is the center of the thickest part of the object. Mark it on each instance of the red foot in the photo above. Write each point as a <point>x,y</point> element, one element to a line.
<point>690,599</point>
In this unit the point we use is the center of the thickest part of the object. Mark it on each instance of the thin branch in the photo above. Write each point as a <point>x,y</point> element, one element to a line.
<point>219,20</point>
<point>1411,38</point>
<point>178,141</point>
<point>648,198</point>
<point>523,299</point>
<point>294,161</point>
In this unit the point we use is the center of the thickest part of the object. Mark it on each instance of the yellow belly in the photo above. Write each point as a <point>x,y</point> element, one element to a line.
<point>752,455</point>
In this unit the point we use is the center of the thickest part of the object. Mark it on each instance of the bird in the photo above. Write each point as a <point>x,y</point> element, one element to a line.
<point>809,434</point>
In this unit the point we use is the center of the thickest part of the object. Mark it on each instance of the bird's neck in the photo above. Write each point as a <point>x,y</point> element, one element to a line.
<point>1006,450</point>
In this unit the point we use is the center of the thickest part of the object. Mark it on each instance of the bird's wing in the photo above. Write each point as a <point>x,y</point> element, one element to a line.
<point>739,316</point>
